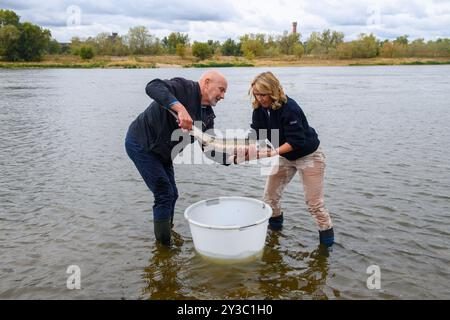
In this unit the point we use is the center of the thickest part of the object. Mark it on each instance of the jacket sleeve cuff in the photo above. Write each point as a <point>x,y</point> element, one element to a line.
<point>295,143</point>
<point>172,103</point>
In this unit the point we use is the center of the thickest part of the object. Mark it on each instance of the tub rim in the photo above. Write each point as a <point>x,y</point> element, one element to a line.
<point>216,201</point>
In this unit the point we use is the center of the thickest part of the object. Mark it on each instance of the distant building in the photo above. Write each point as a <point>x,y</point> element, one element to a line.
<point>294,27</point>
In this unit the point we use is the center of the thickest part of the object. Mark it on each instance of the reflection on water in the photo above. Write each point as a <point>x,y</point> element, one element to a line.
<point>161,275</point>
<point>277,274</point>
<point>294,275</point>
<point>69,195</point>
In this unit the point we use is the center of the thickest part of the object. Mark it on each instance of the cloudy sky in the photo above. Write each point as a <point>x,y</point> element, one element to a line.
<point>222,19</point>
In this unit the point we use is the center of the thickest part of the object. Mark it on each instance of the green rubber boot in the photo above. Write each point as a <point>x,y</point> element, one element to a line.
<point>162,230</point>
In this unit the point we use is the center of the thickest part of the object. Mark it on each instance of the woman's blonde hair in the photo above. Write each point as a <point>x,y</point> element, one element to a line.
<point>267,83</point>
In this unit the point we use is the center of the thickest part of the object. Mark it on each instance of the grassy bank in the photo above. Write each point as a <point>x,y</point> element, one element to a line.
<point>215,64</point>
<point>405,63</point>
<point>168,61</point>
<point>317,62</point>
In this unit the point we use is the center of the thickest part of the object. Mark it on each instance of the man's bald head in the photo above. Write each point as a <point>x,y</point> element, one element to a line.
<point>213,86</point>
<point>212,75</point>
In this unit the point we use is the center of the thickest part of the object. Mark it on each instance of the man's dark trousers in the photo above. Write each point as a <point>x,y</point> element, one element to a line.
<point>159,178</point>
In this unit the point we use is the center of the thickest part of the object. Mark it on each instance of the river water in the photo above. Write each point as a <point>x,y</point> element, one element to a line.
<point>69,195</point>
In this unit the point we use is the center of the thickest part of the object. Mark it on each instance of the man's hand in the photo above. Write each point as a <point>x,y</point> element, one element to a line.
<point>184,119</point>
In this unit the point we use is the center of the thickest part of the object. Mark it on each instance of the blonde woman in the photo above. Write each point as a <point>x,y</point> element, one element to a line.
<point>298,149</point>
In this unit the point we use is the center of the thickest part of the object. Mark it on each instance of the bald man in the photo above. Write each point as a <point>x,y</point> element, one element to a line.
<point>148,141</point>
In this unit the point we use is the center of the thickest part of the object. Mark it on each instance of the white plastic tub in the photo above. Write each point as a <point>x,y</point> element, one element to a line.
<point>228,227</point>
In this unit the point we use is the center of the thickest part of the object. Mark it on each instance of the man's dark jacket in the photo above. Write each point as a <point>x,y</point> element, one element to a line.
<point>153,128</point>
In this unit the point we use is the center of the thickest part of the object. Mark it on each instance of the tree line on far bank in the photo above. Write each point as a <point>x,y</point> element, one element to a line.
<point>29,42</point>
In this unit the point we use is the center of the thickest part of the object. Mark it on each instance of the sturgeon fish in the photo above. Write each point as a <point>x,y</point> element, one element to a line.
<point>230,146</point>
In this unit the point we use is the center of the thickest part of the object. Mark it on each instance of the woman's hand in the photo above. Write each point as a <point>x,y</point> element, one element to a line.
<point>250,153</point>
<point>266,153</point>
<point>285,148</point>
<point>244,154</point>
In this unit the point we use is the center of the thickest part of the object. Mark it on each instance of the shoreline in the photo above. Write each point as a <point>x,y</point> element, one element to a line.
<point>151,62</point>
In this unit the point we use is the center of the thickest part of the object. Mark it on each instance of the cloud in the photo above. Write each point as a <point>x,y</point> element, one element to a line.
<point>224,19</point>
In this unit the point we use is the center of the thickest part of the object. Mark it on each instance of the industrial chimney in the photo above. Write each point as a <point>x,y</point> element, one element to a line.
<point>294,27</point>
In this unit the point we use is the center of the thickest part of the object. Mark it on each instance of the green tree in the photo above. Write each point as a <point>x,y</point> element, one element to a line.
<point>65,48</point>
<point>109,44</point>
<point>86,52</point>
<point>335,40</point>
<point>140,41</point>
<point>155,46</point>
<point>201,50</point>
<point>75,45</point>
<point>418,48</point>
<point>33,41</point>
<point>170,42</point>
<point>365,47</point>
<point>214,45</point>
<point>9,42</point>
<point>298,50</point>
<point>387,49</point>
<point>252,45</point>
<point>439,48</point>
<point>21,41</point>
<point>400,46</point>
<point>314,44</point>
<point>230,48</point>
<point>119,47</point>
<point>271,47</point>
<point>345,50</point>
<point>402,40</point>
<point>54,47</point>
<point>326,40</point>
<point>272,51</point>
<point>181,50</point>
<point>104,43</point>
<point>8,17</point>
<point>325,43</point>
<point>287,42</point>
